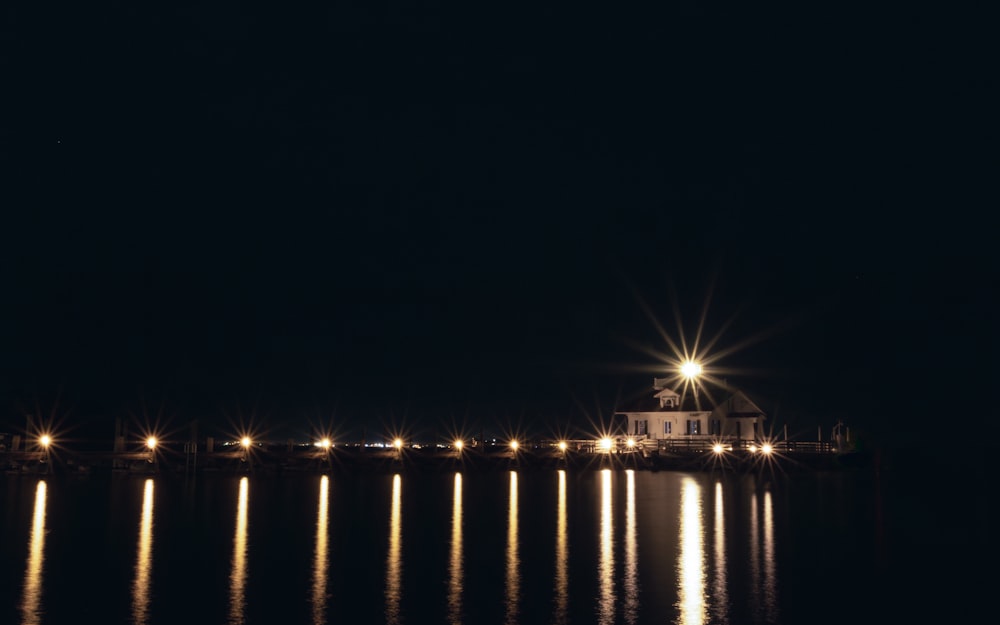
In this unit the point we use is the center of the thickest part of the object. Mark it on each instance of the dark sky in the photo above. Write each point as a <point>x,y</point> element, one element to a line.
<point>423,216</point>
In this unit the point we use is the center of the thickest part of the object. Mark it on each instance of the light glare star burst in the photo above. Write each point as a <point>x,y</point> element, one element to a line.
<point>693,368</point>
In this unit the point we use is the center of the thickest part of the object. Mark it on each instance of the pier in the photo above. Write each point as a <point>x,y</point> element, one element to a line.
<point>272,458</point>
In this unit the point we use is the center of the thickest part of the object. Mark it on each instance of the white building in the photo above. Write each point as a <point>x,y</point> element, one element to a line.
<point>670,418</point>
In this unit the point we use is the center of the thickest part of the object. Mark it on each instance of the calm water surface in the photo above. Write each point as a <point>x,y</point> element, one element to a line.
<point>551,547</point>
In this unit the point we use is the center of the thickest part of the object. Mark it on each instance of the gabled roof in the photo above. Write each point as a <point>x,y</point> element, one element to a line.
<point>666,393</point>
<point>736,405</point>
<point>739,405</point>
<point>688,402</point>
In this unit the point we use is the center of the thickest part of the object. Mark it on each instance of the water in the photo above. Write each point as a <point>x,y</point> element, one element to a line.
<point>501,547</point>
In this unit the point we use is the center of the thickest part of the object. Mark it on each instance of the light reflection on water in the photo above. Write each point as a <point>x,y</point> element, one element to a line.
<point>631,607</point>
<point>144,558</point>
<point>394,561</point>
<point>720,603</point>
<point>31,603</point>
<point>238,577</point>
<point>691,563</point>
<point>455,562</point>
<point>513,558</point>
<point>321,564</point>
<point>562,556</point>
<point>762,558</point>
<point>770,590</point>
<point>687,549</point>
<point>606,601</point>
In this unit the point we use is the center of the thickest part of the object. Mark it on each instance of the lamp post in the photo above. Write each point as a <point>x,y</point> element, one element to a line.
<point>245,444</point>
<point>398,444</point>
<point>325,444</point>
<point>459,444</point>
<point>151,446</point>
<point>691,371</point>
<point>45,440</point>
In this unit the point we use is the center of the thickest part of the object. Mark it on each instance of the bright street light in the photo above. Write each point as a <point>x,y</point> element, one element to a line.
<point>690,369</point>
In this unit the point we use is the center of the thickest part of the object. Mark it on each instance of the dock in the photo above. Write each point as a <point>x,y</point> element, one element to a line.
<point>189,458</point>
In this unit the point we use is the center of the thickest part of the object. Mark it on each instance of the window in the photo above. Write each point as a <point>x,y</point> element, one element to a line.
<point>715,427</point>
<point>666,427</point>
<point>694,426</point>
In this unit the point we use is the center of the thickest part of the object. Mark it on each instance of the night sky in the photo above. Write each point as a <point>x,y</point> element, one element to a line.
<point>427,218</point>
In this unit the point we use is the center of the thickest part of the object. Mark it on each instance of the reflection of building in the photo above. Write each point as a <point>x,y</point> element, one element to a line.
<point>669,416</point>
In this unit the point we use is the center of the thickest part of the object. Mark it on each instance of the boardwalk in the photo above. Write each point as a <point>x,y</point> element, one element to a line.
<point>187,459</point>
